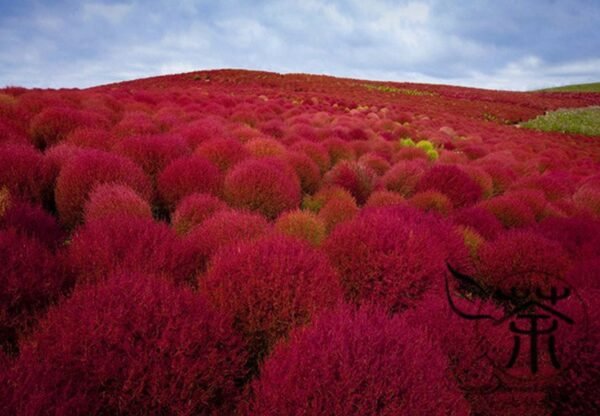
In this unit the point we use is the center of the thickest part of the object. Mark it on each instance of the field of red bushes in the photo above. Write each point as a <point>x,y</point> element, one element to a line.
<point>237,242</point>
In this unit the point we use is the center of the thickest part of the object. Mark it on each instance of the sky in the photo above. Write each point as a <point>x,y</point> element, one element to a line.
<point>506,44</point>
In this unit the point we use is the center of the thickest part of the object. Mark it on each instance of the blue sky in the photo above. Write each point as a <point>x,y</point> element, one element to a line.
<point>506,44</point>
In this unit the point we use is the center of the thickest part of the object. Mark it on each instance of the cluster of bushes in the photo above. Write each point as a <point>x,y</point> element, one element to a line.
<point>175,250</point>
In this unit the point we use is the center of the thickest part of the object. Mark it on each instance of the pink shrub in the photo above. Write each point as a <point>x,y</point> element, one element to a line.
<point>384,198</point>
<point>356,363</point>
<point>338,210</point>
<point>136,124</point>
<point>388,257</point>
<point>510,211</point>
<point>128,346</point>
<point>197,132</point>
<point>221,229</point>
<point>377,163</point>
<point>339,150</point>
<point>266,185</point>
<point>480,219</point>
<point>264,147</point>
<point>30,278</point>
<point>153,153</point>
<point>269,287</point>
<point>306,169</point>
<point>87,169</point>
<point>579,236</point>
<point>453,182</point>
<point>358,179</point>
<point>90,137</point>
<point>31,221</point>
<point>303,225</point>
<point>108,200</point>
<point>521,259</point>
<point>317,152</point>
<point>225,153</point>
<point>22,171</point>
<point>432,201</point>
<point>403,177</point>
<point>186,176</point>
<point>193,209</point>
<point>127,244</point>
<point>53,124</point>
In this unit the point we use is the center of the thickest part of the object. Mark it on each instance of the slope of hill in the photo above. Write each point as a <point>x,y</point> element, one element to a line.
<point>241,242</point>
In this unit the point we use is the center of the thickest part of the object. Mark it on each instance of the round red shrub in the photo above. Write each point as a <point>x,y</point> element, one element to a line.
<point>134,345</point>
<point>377,163</point>
<point>224,153</point>
<point>53,124</point>
<point>264,147</point>
<point>389,256</point>
<point>208,128</point>
<point>268,186</point>
<point>358,179</point>
<point>357,363</point>
<point>270,286</point>
<point>193,209</point>
<point>186,176</point>
<point>87,169</point>
<point>303,225</point>
<point>136,123</point>
<point>32,221</point>
<point>579,236</point>
<point>521,259</point>
<point>91,137</point>
<point>317,152</point>
<point>403,177</point>
<point>22,171</point>
<point>432,201</point>
<point>153,153</point>
<point>510,211</point>
<point>126,244</point>
<point>339,150</point>
<point>480,219</point>
<point>338,210</point>
<point>30,278</point>
<point>306,169</point>
<point>221,229</point>
<point>384,198</point>
<point>453,182</point>
<point>109,199</point>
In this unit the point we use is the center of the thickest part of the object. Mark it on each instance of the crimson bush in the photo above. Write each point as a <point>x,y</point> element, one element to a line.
<point>134,345</point>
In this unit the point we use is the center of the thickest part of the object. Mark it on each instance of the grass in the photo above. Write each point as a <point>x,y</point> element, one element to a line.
<point>584,121</point>
<point>594,87</point>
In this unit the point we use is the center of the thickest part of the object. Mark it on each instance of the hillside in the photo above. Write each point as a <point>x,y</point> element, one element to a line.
<point>242,242</point>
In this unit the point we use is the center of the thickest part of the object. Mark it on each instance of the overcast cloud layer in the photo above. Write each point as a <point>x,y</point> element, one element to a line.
<point>504,44</point>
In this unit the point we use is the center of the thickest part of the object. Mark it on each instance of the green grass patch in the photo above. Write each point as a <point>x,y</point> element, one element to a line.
<point>593,87</point>
<point>584,121</point>
<point>394,90</point>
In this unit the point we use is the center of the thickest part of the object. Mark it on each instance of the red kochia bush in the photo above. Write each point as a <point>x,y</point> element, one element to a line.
<point>128,244</point>
<point>30,277</point>
<point>522,259</point>
<point>356,363</point>
<point>185,176</point>
<point>306,169</point>
<point>108,199</point>
<point>193,209</point>
<point>317,152</point>
<point>389,255</point>
<point>87,169</point>
<point>32,221</point>
<point>221,229</point>
<point>134,345</point>
<point>267,185</point>
<point>153,153</point>
<point>480,219</point>
<point>22,171</point>
<point>270,286</point>
<point>53,124</point>
<point>403,176</point>
<point>224,153</point>
<point>358,179</point>
<point>453,182</point>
